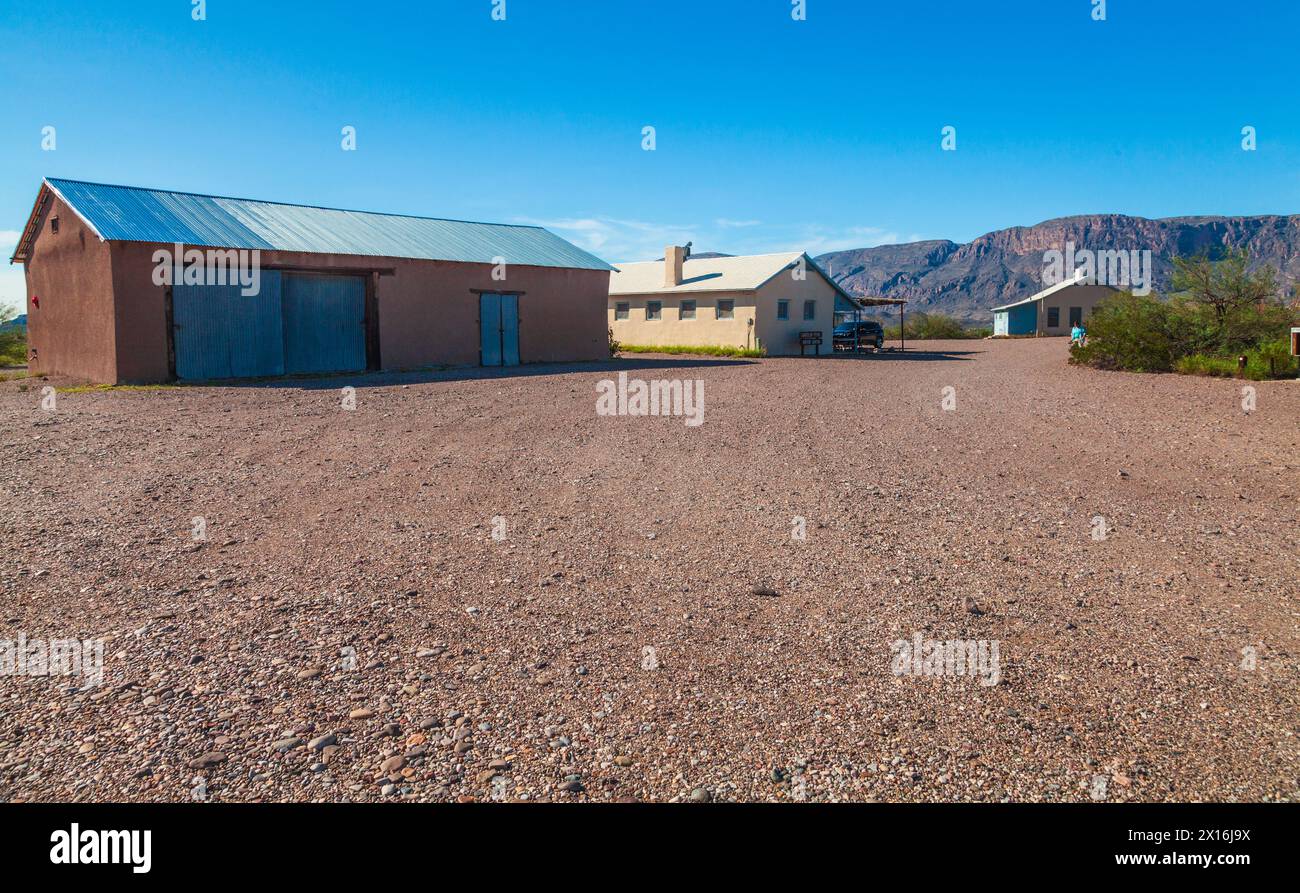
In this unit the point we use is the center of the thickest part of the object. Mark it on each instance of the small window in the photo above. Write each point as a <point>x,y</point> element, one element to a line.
<point>620,310</point>
<point>654,309</point>
<point>809,309</point>
<point>1076,316</point>
<point>726,310</point>
<point>1053,317</point>
<point>782,309</point>
<point>54,223</point>
<point>688,310</point>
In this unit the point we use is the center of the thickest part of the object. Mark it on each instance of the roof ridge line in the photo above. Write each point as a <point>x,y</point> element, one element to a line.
<point>263,201</point>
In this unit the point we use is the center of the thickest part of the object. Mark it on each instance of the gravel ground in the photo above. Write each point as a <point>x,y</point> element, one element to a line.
<point>645,624</point>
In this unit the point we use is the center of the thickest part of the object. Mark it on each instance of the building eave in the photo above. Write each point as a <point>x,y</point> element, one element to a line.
<point>22,251</point>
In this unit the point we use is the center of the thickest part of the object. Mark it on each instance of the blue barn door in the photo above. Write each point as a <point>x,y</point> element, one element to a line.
<point>510,330</point>
<point>219,333</point>
<point>489,329</point>
<point>498,320</point>
<point>324,323</point>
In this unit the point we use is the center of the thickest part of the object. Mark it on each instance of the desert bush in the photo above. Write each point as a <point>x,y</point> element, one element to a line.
<point>13,341</point>
<point>1129,332</point>
<point>1221,312</point>
<point>1271,360</point>
<point>923,326</point>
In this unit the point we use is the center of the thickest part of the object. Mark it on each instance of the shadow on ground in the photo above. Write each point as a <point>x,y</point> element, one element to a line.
<point>907,356</point>
<point>336,380</point>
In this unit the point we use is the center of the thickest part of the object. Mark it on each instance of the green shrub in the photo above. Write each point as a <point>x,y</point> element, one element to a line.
<point>1129,332</point>
<point>13,341</point>
<point>1275,357</point>
<point>923,326</point>
<point>1147,334</point>
<point>1273,360</point>
<point>1202,364</point>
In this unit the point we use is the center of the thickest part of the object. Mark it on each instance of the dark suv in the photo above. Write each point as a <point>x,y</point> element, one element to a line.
<point>869,334</point>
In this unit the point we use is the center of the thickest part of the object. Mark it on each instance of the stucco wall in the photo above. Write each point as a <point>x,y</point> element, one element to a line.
<point>782,336</point>
<point>428,311</point>
<point>777,336</point>
<point>1084,296</point>
<point>705,329</point>
<point>72,331</point>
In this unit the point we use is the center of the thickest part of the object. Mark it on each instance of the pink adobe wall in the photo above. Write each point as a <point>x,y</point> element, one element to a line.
<point>428,310</point>
<point>72,331</point>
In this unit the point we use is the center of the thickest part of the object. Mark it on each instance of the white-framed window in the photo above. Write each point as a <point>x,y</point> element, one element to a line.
<point>809,309</point>
<point>726,309</point>
<point>688,310</point>
<point>654,310</point>
<point>621,309</point>
<point>782,309</point>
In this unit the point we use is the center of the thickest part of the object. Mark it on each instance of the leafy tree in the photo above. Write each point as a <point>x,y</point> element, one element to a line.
<point>1225,286</point>
<point>13,340</point>
<point>1223,311</point>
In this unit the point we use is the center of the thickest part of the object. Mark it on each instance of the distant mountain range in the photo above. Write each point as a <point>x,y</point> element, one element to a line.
<point>1007,265</point>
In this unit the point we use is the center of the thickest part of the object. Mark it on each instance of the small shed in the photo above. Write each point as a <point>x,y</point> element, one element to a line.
<point>1052,311</point>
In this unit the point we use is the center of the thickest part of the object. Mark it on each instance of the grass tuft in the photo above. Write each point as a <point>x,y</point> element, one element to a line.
<point>708,350</point>
<point>91,388</point>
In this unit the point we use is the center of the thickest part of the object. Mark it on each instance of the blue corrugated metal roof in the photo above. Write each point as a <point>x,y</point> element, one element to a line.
<point>131,214</point>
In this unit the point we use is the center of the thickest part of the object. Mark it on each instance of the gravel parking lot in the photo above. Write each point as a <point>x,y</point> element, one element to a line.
<point>473,586</point>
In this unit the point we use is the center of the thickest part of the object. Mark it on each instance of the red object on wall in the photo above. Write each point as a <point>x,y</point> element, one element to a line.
<point>36,302</point>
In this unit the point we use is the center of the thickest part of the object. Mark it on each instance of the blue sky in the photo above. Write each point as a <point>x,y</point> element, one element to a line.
<point>771,133</point>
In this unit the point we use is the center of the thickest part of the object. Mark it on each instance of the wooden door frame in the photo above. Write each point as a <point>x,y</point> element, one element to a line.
<point>373,360</point>
<point>169,315</point>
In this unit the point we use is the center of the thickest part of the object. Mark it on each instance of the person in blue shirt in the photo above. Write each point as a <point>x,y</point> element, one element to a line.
<point>1076,335</point>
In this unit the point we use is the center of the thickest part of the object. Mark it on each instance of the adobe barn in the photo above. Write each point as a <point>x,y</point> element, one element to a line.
<point>143,285</point>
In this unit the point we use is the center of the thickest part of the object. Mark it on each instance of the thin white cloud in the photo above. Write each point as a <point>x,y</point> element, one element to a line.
<point>622,240</point>
<point>817,239</point>
<point>616,239</point>
<point>13,285</point>
<point>821,240</point>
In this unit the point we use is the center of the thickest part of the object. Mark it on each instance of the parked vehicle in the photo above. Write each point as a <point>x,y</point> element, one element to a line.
<point>868,334</point>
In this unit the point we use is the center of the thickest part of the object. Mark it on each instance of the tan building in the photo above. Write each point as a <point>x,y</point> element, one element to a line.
<point>758,301</point>
<point>1053,311</point>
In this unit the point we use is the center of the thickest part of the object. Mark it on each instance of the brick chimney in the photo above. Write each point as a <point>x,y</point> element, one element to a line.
<point>674,258</point>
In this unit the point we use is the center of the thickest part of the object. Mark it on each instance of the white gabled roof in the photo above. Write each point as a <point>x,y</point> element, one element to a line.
<point>705,274</point>
<point>1047,292</point>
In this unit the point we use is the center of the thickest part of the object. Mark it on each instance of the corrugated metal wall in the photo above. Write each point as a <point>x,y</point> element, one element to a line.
<point>220,333</point>
<point>297,323</point>
<point>324,323</point>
